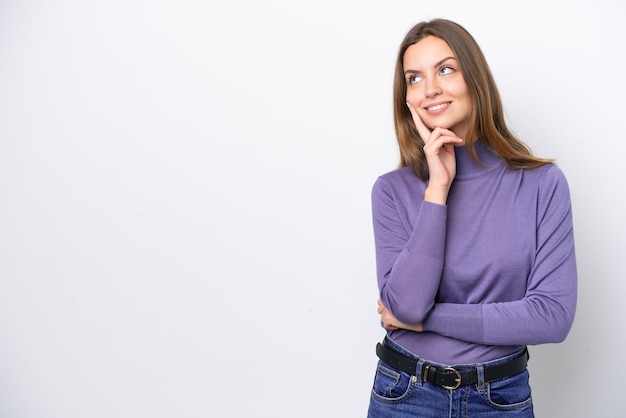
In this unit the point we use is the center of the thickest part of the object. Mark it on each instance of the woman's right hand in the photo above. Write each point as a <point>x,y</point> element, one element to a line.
<point>439,152</point>
<point>390,322</point>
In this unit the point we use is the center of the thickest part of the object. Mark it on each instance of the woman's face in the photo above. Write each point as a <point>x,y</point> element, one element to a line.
<point>435,86</point>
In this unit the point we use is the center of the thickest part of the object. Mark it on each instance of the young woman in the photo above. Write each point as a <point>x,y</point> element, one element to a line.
<point>474,242</point>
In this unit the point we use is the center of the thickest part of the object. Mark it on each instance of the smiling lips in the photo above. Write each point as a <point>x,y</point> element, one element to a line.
<point>437,108</point>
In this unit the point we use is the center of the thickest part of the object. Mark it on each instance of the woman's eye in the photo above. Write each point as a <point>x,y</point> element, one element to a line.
<point>414,79</point>
<point>447,70</point>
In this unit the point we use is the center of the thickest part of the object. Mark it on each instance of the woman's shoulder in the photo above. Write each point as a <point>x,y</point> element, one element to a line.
<point>550,182</point>
<point>399,175</point>
<point>398,178</point>
<point>399,182</point>
<point>549,172</point>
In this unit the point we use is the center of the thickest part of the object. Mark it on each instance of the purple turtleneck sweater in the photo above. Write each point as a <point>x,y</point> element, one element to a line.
<point>491,271</point>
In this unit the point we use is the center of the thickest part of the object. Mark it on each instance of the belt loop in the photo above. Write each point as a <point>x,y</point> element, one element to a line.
<point>481,385</point>
<point>418,372</point>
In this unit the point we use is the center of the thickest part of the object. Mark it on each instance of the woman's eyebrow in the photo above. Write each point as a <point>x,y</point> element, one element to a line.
<point>437,64</point>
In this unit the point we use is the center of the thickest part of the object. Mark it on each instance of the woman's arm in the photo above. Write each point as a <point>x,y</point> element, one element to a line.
<point>409,249</point>
<point>390,322</point>
<point>409,257</point>
<point>546,313</point>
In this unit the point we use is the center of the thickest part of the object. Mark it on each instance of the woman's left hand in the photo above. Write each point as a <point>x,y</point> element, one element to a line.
<point>390,322</point>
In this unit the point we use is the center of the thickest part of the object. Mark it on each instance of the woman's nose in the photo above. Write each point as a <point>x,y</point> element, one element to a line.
<point>432,88</point>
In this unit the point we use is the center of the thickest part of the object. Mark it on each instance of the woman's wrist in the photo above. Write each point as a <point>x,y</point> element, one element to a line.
<point>438,195</point>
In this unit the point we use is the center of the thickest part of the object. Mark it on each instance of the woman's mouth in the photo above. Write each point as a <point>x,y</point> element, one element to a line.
<point>437,107</point>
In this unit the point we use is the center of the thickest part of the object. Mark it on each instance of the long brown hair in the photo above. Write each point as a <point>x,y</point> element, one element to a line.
<point>486,119</point>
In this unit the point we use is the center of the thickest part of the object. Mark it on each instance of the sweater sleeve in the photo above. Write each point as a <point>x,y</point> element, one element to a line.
<point>409,260</point>
<point>546,313</point>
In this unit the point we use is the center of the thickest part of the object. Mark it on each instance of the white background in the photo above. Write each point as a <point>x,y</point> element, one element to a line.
<point>184,196</point>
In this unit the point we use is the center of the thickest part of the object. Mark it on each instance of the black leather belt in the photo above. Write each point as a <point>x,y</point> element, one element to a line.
<point>449,377</point>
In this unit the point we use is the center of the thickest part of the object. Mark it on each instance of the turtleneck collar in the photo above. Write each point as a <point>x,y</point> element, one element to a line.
<point>466,168</point>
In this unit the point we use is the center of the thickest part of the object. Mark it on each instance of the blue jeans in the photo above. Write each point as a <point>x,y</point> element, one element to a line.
<point>396,394</point>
